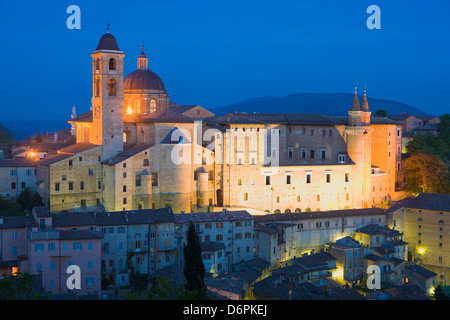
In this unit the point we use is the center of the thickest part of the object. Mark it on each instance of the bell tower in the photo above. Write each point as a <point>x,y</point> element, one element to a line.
<point>107,96</point>
<point>358,132</point>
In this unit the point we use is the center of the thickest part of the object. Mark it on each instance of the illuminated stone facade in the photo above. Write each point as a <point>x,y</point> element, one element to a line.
<point>262,162</point>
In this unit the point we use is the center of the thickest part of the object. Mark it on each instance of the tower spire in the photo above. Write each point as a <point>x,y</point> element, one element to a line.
<point>365,104</point>
<point>142,59</point>
<point>355,102</point>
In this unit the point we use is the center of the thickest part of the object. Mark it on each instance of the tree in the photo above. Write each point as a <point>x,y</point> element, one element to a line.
<point>427,173</point>
<point>22,286</point>
<point>427,143</point>
<point>380,114</point>
<point>28,200</point>
<point>444,132</point>
<point>6,136</point>
<point>38,138</point>
<point>439,294</point>
<point>194,269</point>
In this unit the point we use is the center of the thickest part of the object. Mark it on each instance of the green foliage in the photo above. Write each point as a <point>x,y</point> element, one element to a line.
<point>444,132</point>
<point>194,269</point>
<point>427,143</point>
<point>10,207</point>
<point>20,287</point>
<point>427,173</point>
<point>38,138</point>
<point>439,294</point>
<point>6,136</point>
<point>380,114</point>
<point>162,289</point>
<point>28,200</point>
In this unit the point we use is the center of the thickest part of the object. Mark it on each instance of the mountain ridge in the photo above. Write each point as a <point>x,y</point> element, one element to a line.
<point>332,104</point>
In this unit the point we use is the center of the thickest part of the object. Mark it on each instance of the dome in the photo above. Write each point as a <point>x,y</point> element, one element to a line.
<point>143,79</point>
<point>107,42</point>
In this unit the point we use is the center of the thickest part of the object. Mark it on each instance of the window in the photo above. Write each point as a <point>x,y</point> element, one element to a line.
<point>308,177</point>
<point>290,153</point>
<point>111,87</point>
<point>347,177</point>
<point>13,185</point>
<point>288,179</point>
<point>328,177</point>
<point>138,180</point>
<point>303,153</point>
<point>91,171</point>
<point>245,196</point>
<point>312,154</point>
<point>342,158</point>
<point>124,188</point>
<point>64,246</point>
<point>323,154</point>
<point>51,246</point>
<point>146,162</point>
<point>77,246</point>
<point>124,200</point>
<point>154,179</point>
<point>152,105</point>
<point>70,185</point>
<point>81,185</point>
<point>39,247</point>
<point>112,64</point>
<point>267,180</point>
<point>99,184</point>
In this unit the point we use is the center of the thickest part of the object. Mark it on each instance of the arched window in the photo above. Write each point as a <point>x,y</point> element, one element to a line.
<point>112,64</point>
<point>111,87</point>
<point>277,211</point>
<point>298,210</point>
<point>97,87</point>
<point>97,64</point>
<point>287,211</point>
<point>245,196</point>
<point>152,105</point>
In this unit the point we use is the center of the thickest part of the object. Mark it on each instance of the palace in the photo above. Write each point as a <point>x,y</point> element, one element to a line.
<point>127,145</point>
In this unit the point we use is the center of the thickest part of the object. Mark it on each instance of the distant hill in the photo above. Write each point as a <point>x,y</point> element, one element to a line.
<point>23,128</point>
<point>332,104</point>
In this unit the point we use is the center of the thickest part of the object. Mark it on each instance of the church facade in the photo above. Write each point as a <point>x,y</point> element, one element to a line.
<point>133,151</point>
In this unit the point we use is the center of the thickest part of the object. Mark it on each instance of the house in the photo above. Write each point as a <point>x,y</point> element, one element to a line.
<point>213,254</point>
<point>349,265</point>
<point>318,266</point>
<point>421,277</point>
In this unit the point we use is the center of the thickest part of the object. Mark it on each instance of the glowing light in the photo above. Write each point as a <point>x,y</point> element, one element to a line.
<point>421,251</point>
<point>32,154</point>
<point>129,110</point>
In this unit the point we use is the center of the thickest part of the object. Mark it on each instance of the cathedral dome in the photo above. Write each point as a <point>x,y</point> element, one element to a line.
<point>107,42</point>
<point>143,79</point>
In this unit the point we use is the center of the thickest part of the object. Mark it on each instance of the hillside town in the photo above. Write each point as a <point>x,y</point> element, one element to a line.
<point>297,206</point>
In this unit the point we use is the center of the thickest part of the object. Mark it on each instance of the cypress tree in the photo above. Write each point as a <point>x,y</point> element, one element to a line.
<point>194,269</point>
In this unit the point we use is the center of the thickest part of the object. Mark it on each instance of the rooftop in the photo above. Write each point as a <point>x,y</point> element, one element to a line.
<point>212,216</point>
<point>430,201</point>
<point>317,214</point>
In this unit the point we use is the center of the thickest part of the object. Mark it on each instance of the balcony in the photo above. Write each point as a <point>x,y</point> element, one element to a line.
<point>43,235</point>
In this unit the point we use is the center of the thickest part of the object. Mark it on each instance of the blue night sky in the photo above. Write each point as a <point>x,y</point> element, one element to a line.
<point>215,52</point>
